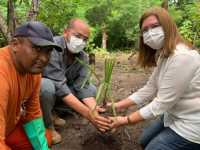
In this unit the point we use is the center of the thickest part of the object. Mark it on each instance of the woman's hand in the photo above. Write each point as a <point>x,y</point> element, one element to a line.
<point>121,121</point>
<point>125,103</point>
<point>117,106</point>
<point>133,118</point>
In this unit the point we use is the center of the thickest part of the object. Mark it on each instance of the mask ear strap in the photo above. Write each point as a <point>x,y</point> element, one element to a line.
<point>67,36</point>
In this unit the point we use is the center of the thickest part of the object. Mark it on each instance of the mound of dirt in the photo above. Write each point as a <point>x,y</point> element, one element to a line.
<point>80,134</point>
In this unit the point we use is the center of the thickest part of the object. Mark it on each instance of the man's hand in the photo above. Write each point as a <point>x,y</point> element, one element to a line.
<point>101,123</point>
<point>87,111</point>
<point>100,110</point>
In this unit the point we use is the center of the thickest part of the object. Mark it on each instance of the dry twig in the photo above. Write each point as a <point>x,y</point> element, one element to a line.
<point>132,55</point>
<point>127,134</point>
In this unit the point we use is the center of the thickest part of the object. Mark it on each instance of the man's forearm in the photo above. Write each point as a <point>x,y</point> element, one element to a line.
<point>89,102</point>
<point>75,104</point>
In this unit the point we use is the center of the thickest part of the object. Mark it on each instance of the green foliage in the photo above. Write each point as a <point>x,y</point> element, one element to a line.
<point>121,18</point>
<point>90,44</point>
<point>57,13</point>
<point>195,15</point>
<point>2,42</point>
<point>3,8</point>
<point>101,52</point>
<point>186,31</point>
<point>197,42</point>
<point>124,21</point>
<point>21,9</point>
<point>177,14</point>
<point>23,1</point>
<point>135,67</point>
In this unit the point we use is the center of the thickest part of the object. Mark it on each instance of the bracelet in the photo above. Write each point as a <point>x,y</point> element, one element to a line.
<point>129,121</point>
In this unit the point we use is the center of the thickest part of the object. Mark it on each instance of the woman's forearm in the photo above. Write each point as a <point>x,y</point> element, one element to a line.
<point>125,103</point>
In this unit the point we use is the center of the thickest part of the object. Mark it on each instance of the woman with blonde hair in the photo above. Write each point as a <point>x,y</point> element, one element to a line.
<point>174,87</point>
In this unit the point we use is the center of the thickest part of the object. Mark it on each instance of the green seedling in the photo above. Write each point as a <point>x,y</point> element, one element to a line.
<point>104,86</point>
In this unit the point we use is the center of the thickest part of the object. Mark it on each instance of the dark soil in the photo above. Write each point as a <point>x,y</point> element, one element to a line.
<point>80,134</point>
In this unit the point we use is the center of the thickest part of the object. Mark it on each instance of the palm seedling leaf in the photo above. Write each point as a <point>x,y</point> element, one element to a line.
<point>86,79</point>
<point>102,89</point>
<point>112,101</point>
<point>86,65</point>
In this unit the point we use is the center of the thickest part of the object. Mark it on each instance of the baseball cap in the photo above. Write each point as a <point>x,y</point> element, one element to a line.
<point>37,33</point>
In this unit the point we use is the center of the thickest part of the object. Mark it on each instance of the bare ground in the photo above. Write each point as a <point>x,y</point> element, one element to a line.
<point>80,134</point>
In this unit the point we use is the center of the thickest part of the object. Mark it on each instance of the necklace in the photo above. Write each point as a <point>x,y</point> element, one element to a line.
<point>22,82</point>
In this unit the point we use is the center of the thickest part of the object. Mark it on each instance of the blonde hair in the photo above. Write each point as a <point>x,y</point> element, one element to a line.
<point>147,55</point>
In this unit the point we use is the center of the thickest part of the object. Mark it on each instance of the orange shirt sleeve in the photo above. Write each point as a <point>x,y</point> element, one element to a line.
<point>4,97</point>
<point>32,105</point>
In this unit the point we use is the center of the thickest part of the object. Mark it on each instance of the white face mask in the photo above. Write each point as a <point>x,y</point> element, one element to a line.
<point>75,45</point>
<point>154,39</point>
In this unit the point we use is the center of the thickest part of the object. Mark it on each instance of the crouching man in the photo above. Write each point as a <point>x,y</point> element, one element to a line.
<point>21,62</point>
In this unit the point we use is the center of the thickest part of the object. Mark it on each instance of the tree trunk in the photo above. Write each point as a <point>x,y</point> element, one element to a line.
<point>196,5</point>
<point>13,20</point>
<point>164,5</point>
<point>5,30</point>
<point>34,10</point>
<point>185,11</point>
<point>195,37</point>
<point>12,17</point>
<point>104,37</point>
<point>8,14</point>
<point>91,59</point>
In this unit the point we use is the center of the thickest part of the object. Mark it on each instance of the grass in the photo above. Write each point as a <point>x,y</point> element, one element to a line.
<point>135,67</point>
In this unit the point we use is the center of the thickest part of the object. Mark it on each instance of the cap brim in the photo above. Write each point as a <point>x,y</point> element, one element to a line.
<point>42,42</point>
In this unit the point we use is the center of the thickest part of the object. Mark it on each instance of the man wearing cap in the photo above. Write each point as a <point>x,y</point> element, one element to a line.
<point>62,79</point>
<point>21,123</point>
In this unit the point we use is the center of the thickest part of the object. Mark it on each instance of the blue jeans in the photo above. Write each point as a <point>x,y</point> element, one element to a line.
<point>52,104</point>
<point>158,137</point>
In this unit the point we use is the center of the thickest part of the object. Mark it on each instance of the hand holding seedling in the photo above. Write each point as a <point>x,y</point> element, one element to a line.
<point>116,105</point>
<point>115,125</point>
<point>101,123</point>
<point>125,103</point>
<point>100,110</point>
<point>104,86</point>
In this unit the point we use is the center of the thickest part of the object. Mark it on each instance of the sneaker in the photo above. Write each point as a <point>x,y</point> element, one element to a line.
<point>56,138</point>
<point>58,121</point>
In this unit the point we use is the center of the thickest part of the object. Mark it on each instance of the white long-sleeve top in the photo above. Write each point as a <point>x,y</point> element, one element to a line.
<point>175,88</point>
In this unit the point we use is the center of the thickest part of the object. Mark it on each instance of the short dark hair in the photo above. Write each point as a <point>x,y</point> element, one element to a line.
<point>71,23</point>
<point>20,39</point>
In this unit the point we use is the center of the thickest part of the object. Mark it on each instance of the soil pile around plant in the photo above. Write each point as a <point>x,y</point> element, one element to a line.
<point>80,134</point>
